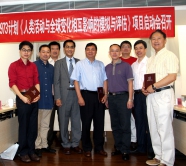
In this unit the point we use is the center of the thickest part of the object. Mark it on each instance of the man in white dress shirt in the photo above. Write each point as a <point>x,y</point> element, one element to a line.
<point>140,108</point>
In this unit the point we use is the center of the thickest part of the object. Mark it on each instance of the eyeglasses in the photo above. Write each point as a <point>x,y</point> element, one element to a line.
<point>24,50</point>
<point>112,51</point>
<point>90,49</point>
<point>69,47</point>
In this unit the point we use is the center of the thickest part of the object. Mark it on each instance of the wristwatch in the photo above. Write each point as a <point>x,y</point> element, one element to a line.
<point>153,87</point>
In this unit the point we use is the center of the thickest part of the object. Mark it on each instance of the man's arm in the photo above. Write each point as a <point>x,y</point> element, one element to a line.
<point>105,89</point>
<point>57,80</point>
<point>163,82</point>
<point>130,89</point>
<point>144,91</point>
<point>78,92</point>
<point>38,97</point>
<point>18,93</point>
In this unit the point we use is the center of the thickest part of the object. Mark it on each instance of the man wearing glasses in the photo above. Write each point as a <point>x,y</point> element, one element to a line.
<point>66,99</point>
<point>23,75</point>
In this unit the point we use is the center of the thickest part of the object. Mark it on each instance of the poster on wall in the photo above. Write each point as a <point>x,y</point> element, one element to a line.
<point>86,24</point>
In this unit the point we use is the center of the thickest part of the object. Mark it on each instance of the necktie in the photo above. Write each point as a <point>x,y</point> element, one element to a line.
<point>70,72</point>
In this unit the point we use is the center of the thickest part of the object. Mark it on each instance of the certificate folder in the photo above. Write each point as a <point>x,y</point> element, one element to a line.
<point>149,79</point>
<point>32,93</point>
<point>100,93</point>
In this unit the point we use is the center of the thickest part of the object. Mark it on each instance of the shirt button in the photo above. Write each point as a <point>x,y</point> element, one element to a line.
<point>45,96</point>
<point>45,90</point>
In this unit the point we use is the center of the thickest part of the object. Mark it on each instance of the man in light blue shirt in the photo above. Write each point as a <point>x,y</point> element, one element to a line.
<point>88,75</point>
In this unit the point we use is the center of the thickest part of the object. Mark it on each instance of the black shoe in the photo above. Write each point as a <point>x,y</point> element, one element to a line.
<point>38,152</point>
<point>49,150</point>
<point>133,147</point>
<point>125,156</point>
<point>25,158</point>
<point>116,152</point>
<point>151,155</point>
<point>34,157</point>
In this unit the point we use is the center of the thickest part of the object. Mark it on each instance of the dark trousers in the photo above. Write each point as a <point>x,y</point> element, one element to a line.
<point>120,121</point>
<point>28,124</point>
<point>142,128</point>
<point>51,133</point>
<point>93,110</point>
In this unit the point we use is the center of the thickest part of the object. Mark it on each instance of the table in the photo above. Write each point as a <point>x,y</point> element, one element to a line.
<point>8,129</point>
<point>179,127</point>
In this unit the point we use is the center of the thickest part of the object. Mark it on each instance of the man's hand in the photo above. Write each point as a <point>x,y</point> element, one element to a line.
<point>104,99</point>
<point>36,99</point>
<point>150,89</point>
<point>81,101</point>
<point>25,99</point>
<point>129,104</point>
<point>58,102</point>
<point>144,91</point>
<point>106,104</point>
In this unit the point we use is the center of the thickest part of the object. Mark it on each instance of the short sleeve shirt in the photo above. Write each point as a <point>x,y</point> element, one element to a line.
<point>118,76</point>
<point>163,63</point>
<point>90,75</point>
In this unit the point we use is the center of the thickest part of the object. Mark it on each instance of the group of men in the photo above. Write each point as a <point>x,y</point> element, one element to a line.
<point>75,84</point>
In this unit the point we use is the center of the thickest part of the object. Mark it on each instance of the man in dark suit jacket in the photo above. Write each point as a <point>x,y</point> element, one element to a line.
<point>66,99</point>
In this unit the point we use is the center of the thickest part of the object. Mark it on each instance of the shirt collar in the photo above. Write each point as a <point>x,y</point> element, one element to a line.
<point>40,61</point>
<point>90,61</point>
<point>50,60</point>
<point>67,58</point>
<point>143,60</point>
<point>160,51</point>
<point>21,62</point>
<point>118,62</point>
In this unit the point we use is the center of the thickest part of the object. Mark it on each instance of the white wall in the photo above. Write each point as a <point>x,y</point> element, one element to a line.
<point>8,53</point>
<point>180,84</point>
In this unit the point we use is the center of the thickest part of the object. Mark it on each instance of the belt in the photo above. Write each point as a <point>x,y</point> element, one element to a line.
<point>164,88</point>
<point>118,93</point>
<point>23,90</point>
<point>71,88</point>
<point>88,91</point>
<point>138,91</point>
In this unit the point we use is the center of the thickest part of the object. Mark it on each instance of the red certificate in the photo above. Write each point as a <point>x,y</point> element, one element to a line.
<point>100,93</point>
<point>32,93</point>
<point>149,79</point>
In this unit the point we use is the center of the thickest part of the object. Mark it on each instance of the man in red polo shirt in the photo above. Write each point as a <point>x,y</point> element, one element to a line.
<point>23,75</point>
<point>126,48</point>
